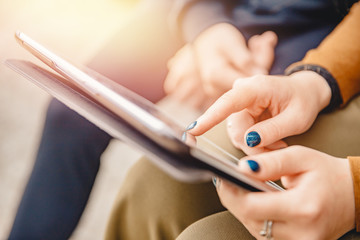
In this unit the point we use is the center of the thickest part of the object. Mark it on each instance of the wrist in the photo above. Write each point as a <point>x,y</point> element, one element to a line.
<point>335,97</point>
<point>316,85</point>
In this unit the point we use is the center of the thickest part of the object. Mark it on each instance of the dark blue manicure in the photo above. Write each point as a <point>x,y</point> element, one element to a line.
<point>254,166</point>
<point>191,126</point>
<point>253,139</point>
<point>214,179</point>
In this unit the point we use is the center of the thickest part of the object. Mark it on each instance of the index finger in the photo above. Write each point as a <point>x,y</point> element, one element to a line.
<point>256,205</point>
<point>232,101</point>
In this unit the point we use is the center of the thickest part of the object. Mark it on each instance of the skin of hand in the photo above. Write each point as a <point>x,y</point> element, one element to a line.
<point>183,80</point>
<point>274,107</point>
<point>318,202</point>
<point>201,72</point>
<point>223,55</point>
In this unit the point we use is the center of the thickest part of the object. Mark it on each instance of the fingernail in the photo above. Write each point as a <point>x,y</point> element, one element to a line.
<point>216,181</point>
<point>253,139</point>
<point>254,166</point>
<point>183,137</point>
<point>191,126</point>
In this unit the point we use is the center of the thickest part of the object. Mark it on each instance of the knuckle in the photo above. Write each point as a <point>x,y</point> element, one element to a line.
<point>295,148</point>
<point>207,75</point>
<point>310,211</point>
<point>245,61</point>
<point>227,98</point>
<point>210,90</point>
<point>247,212</point>
<point>276,130</point>
<point>261,79</point>
<point>258,83</point>
<point>278,165</point>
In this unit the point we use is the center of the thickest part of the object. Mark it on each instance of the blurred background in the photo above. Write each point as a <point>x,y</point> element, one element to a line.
<point>76,29</point>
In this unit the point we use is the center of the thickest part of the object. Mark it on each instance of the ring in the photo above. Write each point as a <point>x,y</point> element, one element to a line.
<point>266,231</point>
<point>263,231</point>
<point>269,233</point>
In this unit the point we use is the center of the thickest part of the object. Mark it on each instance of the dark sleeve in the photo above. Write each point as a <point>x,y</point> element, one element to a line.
<point>190,17</point>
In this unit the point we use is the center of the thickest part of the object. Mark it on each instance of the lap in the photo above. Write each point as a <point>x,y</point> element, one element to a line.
<point>221,225</point>
<point>151,205</point>
<point>225,226</point>
<point>335,133</point>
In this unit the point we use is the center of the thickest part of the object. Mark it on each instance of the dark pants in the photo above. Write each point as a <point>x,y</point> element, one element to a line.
<point>63,175</point>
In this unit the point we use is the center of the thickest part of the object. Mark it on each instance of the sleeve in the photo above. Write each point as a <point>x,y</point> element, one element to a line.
<point>355,171</point>
<point>188,18</point>
<point>339,54</point>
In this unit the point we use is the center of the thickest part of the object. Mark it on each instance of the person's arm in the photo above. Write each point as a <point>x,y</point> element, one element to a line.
<point>318,202</point>
<point>190,17</point>
<point>207,67</point>
<point>339,55</point>
<point>271,104</point>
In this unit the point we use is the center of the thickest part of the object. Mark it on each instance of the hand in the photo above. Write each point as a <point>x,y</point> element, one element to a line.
<point>208,67</point>
<point>223,55</point>
<point>318,202</point>
<point>183,81</point>
<point>266,109</point>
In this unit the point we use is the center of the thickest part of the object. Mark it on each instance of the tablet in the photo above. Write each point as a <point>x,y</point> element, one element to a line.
<point>148,127</point>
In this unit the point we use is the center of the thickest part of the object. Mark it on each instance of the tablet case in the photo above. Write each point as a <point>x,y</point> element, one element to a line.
<point>181,164</point>
<point>182,167</point>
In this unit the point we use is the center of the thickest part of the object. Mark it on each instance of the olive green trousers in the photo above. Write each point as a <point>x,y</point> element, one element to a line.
<point>153,206</point>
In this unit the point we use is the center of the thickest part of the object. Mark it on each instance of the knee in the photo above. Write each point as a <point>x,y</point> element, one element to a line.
<point>65,122</point>
<point>159,193</point>
<point>160,204</point>
<point>60,115</point>
<point>221,225</point>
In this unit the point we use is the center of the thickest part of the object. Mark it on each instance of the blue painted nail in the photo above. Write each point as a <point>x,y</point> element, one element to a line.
<point>253,139</point>
<point>214,179</point>
<point>254,166</point>
<point>191,126</point>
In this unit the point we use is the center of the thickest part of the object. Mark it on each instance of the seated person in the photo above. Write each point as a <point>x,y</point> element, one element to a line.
<point>321,200</point>
<point>71,147</point>
<point>163,207</point>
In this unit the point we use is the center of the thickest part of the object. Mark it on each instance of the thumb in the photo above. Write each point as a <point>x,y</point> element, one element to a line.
<point>274,129</point>
<point>263,49</point>
<point>273,165</point>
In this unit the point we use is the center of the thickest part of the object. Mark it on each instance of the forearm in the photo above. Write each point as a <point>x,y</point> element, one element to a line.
<point>191,17</point>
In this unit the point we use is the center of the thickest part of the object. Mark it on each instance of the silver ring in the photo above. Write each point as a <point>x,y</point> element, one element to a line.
<point>266,231</point>
<point>269,232</point>
<point>263,231</point>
